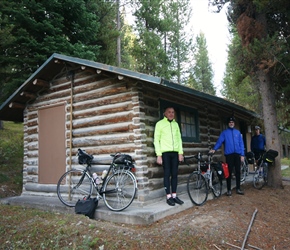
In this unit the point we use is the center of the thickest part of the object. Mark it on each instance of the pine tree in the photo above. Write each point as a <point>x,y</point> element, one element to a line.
<point>236,77</point>
<point>177,42</point>
<point>33,30</point>
<point>263,27</point>
<point>201,76</point>
<point>161,47</point>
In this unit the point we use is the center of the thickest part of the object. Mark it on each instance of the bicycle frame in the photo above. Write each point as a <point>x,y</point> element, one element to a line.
<point>99,187</point>
<point>261,169</point>
<point>208,173</point>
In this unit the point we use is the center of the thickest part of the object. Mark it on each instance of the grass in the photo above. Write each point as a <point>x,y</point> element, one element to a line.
<point>285,172</point>
<point>11,158</point>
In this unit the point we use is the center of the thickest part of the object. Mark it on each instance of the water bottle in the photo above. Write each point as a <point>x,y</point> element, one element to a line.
<point>96,178</point>
<point>104,174</point>
<point>208,173</point>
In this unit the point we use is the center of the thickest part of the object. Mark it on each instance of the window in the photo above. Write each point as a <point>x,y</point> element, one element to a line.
<point>187,119</point>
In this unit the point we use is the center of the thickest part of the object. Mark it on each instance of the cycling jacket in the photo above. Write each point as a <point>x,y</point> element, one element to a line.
<point>232,140</point>
<point>258,143</point>
<point>167,137</point>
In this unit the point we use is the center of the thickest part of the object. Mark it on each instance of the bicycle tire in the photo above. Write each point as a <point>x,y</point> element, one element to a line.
<point>244,171</point>
<point>197,188</point>
<point>258,179</point>
<point>119,190</point>
<point>73,185</point>
<point>217,184</point>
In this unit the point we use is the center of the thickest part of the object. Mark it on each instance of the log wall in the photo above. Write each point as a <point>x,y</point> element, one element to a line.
<point>111,115</point>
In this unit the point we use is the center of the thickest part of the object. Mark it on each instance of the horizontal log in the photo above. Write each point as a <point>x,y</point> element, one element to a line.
<point>28,94</point>
<point>42,83</point>
<point>16,105</point>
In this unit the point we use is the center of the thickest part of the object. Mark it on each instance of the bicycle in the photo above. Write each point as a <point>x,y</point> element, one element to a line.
<point>244,169</point>
<point>117,189</point>
<point>261,169</point>
<point>203,179</point>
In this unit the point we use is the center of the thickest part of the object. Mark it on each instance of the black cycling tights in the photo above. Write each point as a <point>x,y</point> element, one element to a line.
<point>170,166</point>
<point>234,164</point>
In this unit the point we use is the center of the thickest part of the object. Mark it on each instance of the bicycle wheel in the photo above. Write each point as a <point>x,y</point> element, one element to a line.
<point>119,190</point>
<point>259,179</point>
<point>74,185</point>
<point>217,183</point>
<point>244,171</point>
<point>197,188</point>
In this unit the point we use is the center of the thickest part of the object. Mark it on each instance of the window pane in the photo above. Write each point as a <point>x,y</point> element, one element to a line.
<point>182,116</point>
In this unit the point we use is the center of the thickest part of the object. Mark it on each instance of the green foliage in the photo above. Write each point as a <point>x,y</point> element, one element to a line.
<point>11,144</point>
<point>286,172</point>
<point>201,75</point>
<point>161,47</point>
<point>236,78</point>
<point>263,51</point>
<point>285,161</point>
<point>33,30</point>
<point>11,155</point>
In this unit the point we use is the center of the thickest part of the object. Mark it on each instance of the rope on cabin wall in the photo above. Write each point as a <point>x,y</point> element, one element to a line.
<point>72,77</point>
<point>208,128</point>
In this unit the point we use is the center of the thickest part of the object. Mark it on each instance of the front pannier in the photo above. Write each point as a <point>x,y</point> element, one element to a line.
<point>250,156</point>
<point>222,169</point>
<point>219,169</point>
<point>203,167</point>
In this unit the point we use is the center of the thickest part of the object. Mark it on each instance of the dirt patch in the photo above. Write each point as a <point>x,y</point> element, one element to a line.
<point>225,221</point>
<point>218,224</point>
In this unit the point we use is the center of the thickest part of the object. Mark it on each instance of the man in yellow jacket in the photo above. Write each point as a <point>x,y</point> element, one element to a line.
<point>169,151</point>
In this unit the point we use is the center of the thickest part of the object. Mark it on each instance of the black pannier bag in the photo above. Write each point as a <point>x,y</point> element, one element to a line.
<point>86,206</point>
<point>270,155</point>
<point>218,168</point>
<point>203,167</point>
<point>250,157</point>
<point>222,169</point>
<point>123,159</point>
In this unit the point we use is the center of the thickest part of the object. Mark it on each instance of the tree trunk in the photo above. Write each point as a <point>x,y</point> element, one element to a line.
<point>119,37</point>
<point>271,126</point>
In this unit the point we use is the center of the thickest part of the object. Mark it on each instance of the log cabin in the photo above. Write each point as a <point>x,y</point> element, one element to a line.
<point>70,103</point>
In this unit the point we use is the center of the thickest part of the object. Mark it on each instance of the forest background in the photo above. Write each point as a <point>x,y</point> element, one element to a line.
<point>160,43</point>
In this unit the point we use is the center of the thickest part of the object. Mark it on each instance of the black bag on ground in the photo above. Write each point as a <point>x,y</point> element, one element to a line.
<point>86,206</point>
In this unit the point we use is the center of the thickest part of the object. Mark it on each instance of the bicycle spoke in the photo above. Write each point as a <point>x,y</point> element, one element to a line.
<point>72,186</point>
<point>216,184</point>
<point>119,190</point>
<point>243,171</point>
<point>197,188</point>
<point>259,180</point>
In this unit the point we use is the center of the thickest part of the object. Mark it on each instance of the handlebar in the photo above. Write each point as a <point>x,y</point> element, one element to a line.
<point>197,156</point>
<point>190,157</point>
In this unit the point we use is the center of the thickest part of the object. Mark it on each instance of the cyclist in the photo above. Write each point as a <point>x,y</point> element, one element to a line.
<point>258,144</point>
<point>234,153</point>
<point>169,151</point>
